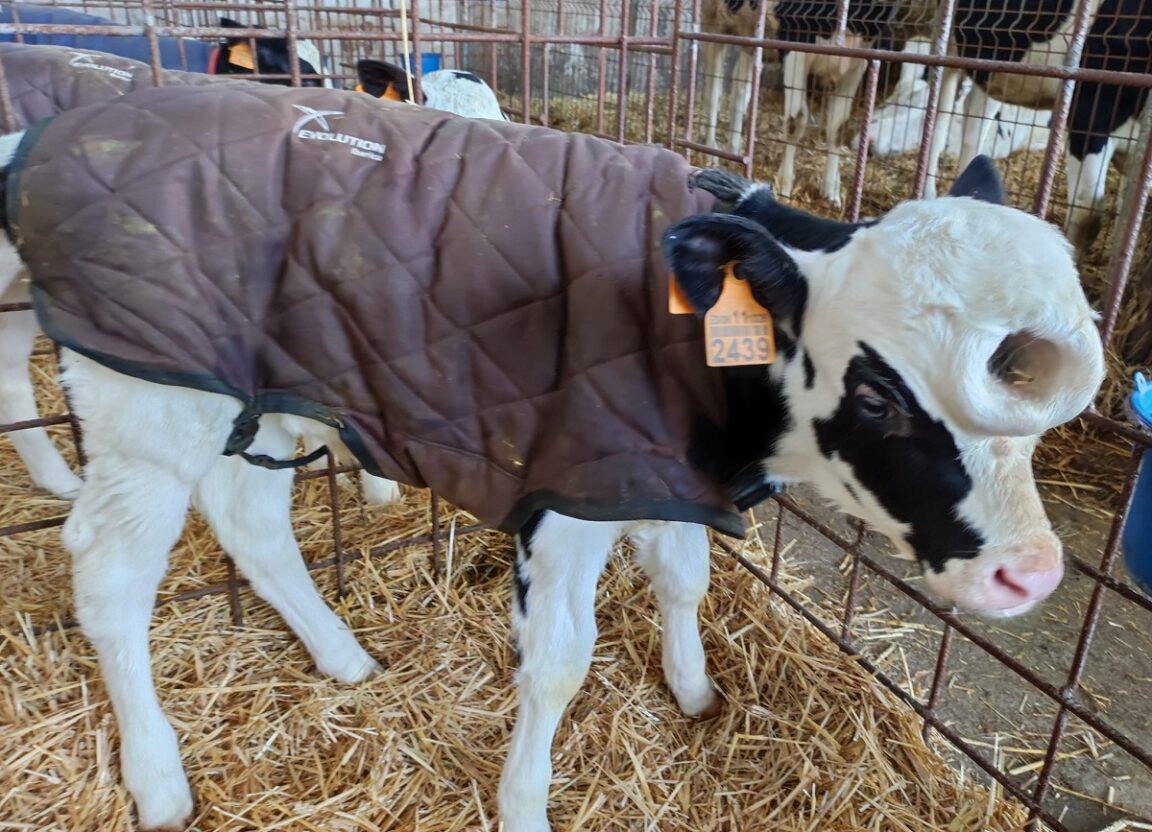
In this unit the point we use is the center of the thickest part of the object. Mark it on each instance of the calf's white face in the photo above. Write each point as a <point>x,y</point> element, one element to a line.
<point>921,357</point>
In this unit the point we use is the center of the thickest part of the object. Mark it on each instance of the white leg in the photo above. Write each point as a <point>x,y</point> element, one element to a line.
<point>836,113</point>
<point>741,95</point>
<point>555,624</point>
<point>979,115</point>
<point>675,556</point>
<point>17,398</point>
<point>1087,180</point>
<point>949,84</point>
<point>713,61</point>
<point>249,509</point>
<point>795,117</point>
<point>148,445</point>
<point>379,491</point>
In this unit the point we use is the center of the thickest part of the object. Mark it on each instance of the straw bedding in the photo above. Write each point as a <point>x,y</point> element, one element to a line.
<point>807,740</point>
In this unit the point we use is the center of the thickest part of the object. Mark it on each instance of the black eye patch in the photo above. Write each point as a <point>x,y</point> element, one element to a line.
<point>907,460</point>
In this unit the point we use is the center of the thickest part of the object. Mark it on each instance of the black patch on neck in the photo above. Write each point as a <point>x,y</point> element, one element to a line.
<point>796,228</point>
<point>522,584</point>
<point>758,415</point>
<point>467,76</point>
<point>528,531</point>
<point>809,372</point>
<point>919,478</point>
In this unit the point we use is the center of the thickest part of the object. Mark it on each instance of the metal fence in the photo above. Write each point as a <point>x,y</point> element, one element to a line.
<point>638,71</point>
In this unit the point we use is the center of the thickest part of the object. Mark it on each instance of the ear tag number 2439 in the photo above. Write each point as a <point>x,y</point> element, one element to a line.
<point>737,329</point>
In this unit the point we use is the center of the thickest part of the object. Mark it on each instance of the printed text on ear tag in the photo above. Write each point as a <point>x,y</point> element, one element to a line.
<point>738,330</point>
<point>241,55</point>
<point>677,301</point>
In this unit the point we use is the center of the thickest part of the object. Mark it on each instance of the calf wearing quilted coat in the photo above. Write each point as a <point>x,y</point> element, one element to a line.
<point>44,81</point>
<point>482,308</point>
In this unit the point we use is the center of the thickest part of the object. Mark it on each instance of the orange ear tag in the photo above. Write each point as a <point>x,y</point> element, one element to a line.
<point>359,88</point>
<point>241,55</point>
<point>738,330</point>
<point>390,94</point>
<point>677,301</point>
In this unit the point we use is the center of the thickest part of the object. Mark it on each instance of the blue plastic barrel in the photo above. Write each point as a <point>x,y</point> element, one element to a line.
<point>429,62</point>
<point>1137,537</point>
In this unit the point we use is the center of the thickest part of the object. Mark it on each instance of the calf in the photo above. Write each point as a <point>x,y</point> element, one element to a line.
<point>232,56</point>
<point>886,24</point>
<point>450,90</point>
<point>44,81</point>
<point>728,17</point>
<point>1103,117</point>
<point>419,291</point>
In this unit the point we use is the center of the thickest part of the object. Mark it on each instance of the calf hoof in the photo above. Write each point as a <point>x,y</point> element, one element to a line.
<point>353,667</point>
<point>153,775</point>
<point>707,705</point>
<point>513,820</point>
<point>1083,233</point>
<point>165,806</point>
<point>713,709</point>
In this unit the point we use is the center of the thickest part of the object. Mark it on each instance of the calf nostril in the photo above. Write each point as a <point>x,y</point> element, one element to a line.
<point>1005,579</point>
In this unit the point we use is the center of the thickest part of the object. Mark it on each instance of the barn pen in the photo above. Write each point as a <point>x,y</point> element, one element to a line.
<point>852,700</point>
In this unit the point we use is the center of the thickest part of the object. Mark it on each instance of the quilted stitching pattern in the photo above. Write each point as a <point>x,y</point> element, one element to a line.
<point>484,307</point>
<point>42,81</point>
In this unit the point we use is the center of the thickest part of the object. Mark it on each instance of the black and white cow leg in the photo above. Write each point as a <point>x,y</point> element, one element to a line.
<point>1087,185</point>
<point>675,557</point>
<point>558,563</point>
<point>249,510</point>
<point>148,445</point>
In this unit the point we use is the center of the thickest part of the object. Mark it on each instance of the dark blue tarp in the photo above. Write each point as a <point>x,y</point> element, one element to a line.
<point>175,53</point>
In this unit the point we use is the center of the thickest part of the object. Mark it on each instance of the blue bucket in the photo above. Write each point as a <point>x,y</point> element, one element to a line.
<point>1137,536</point>
<point>429,62</point>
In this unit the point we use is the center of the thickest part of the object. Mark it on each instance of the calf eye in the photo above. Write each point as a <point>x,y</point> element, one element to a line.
<point>873,406</point>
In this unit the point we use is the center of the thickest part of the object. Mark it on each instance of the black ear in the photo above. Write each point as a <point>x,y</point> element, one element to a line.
<point>980,180</point>
<point>376,76</point>
<point>699,247</point>
<point>229,23</point>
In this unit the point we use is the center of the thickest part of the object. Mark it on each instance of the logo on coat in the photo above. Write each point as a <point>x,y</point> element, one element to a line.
<point>87,61</point>
<point>320,118</point>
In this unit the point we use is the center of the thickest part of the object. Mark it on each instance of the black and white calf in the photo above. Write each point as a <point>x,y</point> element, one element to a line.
<point>1104,118</point>
<point>871,23</point>
<point>18,330</point>
<point>921,356</point>
<point>450,90</point>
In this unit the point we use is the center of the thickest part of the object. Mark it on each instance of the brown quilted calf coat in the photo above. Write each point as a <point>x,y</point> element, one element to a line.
<point>478,307</point>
